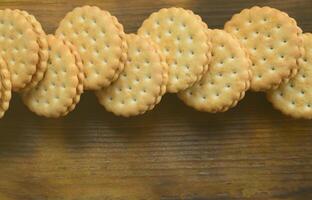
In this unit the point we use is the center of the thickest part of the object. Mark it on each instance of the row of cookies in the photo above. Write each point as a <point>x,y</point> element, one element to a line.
<point>89,51</point>
<point>260,49</point>
<point>173,51</point>
<point>128,72</point>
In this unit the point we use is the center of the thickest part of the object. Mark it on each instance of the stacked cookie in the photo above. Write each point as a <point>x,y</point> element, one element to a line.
<point>100,41</point>
<point>23,54</point>
<point>23,48</point>
<point>174,51</point>
<point>5,87</point>
<point>59,91</point>
<point>227,79</point>
<point>294,98</point>
<point>184,40</point>
<point>277,50</point>
<point>141,84</point>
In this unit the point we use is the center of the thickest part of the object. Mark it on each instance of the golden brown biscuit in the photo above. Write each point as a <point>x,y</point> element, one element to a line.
<point>185,42</point>
<point>56,94</point>
<point>81,75</point>
<point>5,87</point>
<point>272,40</point>
<point>141,84</point>
<point>100,41</point>
<point>295,97</point>
<point>43,50</point>
<point>19,47</point>
<point>227,79</point>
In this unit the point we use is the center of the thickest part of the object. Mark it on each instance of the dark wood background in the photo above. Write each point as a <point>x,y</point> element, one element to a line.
<point>173,152</point>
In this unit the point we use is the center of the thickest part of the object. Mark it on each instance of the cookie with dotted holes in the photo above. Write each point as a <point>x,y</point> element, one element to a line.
<point>295,97</point>
<point>56,93</point>
<point>100,40</point>
<point>273,41</point>
<point>19,47</point>
<point>5,87</point>
<point>227,79</point>
<point>43,50</point>
<point>184,40</point>
<point>142,82</point>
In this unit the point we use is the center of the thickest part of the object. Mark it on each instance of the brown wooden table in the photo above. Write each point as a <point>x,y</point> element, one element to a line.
<point>251,152</point>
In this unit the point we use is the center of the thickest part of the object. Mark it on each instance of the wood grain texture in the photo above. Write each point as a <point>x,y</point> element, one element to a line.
<point>251,152</point>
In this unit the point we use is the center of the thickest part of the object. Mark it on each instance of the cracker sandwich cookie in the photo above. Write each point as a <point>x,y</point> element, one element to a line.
<point>5,87</point>
<point>23,47</point>
<point>273,41</point>
<point>295,97</point>
<point>227,79</point>
<point>142,83</point>
<point>100,40</point>
<point>185,42</point>
<point>43,50</point>
<point>60,89</point>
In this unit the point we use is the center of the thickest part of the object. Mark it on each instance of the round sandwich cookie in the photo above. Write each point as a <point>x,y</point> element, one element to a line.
<point>184,41</point>
<point>295,97</point>
<point>227,79</point>
<point>43,50</point>
<point>100,40</point>
<point>273,41</point>
<point>19,47</point>
<point>141,84</point>
<point>60,89</point>
<point>81,76</point>
<point>5,87</point>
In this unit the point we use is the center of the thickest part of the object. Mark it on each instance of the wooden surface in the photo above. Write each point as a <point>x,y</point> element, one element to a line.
<point>251,152</point>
